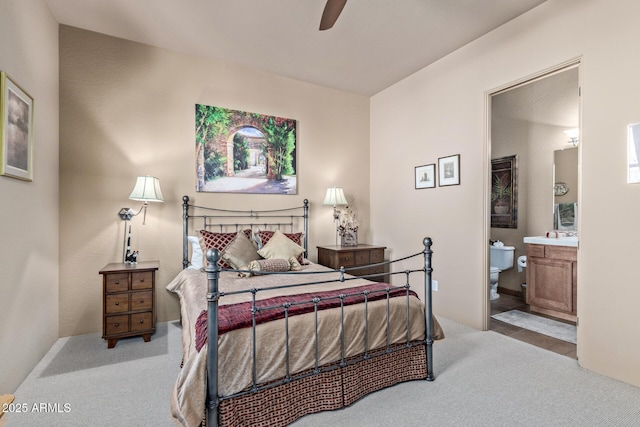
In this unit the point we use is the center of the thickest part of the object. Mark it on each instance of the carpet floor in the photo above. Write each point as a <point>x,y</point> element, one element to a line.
<point>482,379</point>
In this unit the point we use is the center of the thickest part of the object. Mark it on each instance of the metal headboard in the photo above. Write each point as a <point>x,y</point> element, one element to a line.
<point>225,220</point>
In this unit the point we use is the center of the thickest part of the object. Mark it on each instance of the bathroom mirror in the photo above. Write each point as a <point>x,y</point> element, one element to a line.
<point>565,190</point>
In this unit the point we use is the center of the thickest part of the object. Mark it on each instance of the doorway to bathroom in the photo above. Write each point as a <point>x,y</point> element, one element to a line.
<point>533,169</point>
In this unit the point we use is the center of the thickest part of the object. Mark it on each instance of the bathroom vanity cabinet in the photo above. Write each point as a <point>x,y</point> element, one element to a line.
<point>552,279</point>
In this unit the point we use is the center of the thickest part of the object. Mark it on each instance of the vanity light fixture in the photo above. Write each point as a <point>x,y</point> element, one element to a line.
<point>335,197</point>
<point>573,136</point>
<point>146,189</point>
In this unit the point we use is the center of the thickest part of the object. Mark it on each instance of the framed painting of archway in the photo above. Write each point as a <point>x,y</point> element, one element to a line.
<point>242,152</point>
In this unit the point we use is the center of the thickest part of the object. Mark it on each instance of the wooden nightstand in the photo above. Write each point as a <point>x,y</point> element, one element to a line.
<point>128,301</point>
<point>352,256</point>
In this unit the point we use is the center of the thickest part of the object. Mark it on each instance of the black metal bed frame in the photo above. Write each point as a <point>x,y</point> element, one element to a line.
<point>238,219</point>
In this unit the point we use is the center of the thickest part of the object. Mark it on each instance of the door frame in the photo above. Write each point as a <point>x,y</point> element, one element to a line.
<point>575,62</point>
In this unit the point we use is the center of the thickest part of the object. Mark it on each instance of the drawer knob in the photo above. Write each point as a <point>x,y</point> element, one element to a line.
<point>141,301</point>
<point>142,280</point>
<point>346,258</point>
<point>117,325</point>
<point>141,320</point>
<point>117,303</point>
<point>117,282</point>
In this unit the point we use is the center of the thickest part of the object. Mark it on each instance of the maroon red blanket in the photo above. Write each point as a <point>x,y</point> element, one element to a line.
<point>237,316</point>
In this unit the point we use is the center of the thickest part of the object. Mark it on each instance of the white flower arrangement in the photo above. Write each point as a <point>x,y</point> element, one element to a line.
<point>347,221</point>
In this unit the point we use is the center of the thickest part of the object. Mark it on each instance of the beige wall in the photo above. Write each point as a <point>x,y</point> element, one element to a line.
<point>29,212</point>
<point>127,109</point>
<point>441,110</point>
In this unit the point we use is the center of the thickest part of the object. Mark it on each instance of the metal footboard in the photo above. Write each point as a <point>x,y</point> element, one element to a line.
<point>214,294</point>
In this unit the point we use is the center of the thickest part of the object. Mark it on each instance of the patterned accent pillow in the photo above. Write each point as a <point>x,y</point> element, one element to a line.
<point>263,237</point>
<point>273,265</point>
<point>219,241</point>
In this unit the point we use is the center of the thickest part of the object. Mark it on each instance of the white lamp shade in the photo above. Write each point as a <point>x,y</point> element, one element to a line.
<point>335,197</point>
<point>147,189</point>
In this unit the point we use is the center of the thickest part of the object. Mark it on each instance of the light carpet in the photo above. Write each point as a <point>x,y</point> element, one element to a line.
<point>539,324</point>
<point>482,379</point>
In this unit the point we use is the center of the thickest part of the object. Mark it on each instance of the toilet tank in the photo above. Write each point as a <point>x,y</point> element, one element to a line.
<point>502,257</point>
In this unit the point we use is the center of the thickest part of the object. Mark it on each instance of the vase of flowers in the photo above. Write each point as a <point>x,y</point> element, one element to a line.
<point>348,227</point>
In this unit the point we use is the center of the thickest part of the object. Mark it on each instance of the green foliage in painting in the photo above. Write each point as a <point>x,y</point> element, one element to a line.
<point>213,165</point>
<point>211,121</point>
<point>281,139</point>
<point>240,152</point>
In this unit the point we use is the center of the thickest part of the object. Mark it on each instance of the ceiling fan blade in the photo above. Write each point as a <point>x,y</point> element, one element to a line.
<point>332,10</point>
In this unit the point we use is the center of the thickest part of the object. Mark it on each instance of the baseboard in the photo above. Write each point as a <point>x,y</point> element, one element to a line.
<point>511,292</point>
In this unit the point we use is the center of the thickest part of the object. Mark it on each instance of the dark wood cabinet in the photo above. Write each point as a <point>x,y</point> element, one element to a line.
<point>552,279</point>
<point>128,301</point>
<point>354,256</point>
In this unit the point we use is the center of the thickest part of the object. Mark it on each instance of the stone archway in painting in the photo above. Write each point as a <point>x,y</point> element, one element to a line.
<point>256,149</point>
<point>268,143</point>
<point>255,144</point>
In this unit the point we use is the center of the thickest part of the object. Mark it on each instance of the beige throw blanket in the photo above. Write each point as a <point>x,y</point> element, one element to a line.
<point>235,365</point>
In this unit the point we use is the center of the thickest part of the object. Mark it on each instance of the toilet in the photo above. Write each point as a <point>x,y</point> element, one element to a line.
<point>501,258</point>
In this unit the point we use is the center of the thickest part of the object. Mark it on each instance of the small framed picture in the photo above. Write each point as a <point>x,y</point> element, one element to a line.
<point>449,170</point>
<point>426,176</point>
<point>16,130</point>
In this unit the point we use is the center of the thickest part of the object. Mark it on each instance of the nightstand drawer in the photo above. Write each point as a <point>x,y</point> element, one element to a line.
<point>377,255</point>
<point>117,282</point>
<point>141,280</point>
<point>117,325</point>
<point>141,301</point>
<point>363,257</point>
<point>117,303</point>
<point>141,321</point>
<point>346,259</point>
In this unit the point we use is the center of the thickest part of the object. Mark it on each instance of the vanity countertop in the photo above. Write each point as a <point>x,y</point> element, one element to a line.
<point>554,241</point>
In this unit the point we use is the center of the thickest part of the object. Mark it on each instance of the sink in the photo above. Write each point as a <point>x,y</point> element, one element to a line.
<point>555,241</point>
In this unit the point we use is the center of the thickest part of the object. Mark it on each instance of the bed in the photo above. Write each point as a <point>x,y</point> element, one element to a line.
<point>265,344</point>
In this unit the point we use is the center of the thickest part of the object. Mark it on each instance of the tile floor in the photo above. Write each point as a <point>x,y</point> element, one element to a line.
<point>508,302</point>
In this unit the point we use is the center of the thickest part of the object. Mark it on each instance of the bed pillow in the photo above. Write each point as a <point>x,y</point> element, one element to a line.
<point>240,252</point>
<point>274,265</point>
<point>196,253</point>
<point>280,246</point>
<point>263,237</point>
<point>219,241</point>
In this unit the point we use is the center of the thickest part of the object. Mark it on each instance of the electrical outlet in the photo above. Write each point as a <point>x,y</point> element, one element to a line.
<point>434,285</point>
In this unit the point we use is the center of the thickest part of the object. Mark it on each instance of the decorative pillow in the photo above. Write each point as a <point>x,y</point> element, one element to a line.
<point>263,237</point>
<point>196,253</point>
<point>294,265</point>
<point>273,265</point>
<point>240,252</point>
<point>280,246</point>
<point>219,241</point>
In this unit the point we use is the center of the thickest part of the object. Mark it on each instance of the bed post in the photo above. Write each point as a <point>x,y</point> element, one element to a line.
<point>213,271</point>
<point>428,308</point>
<point>185,231</point>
